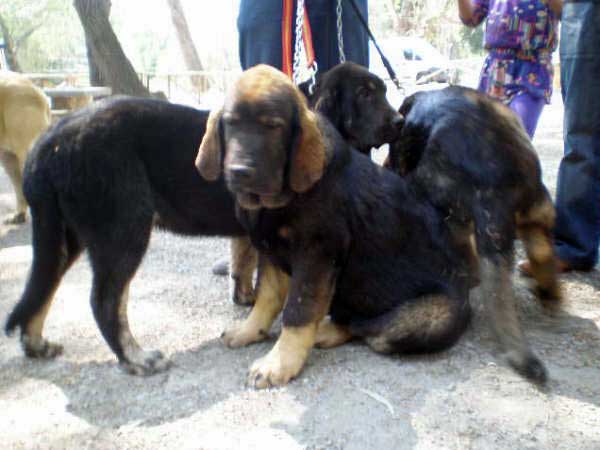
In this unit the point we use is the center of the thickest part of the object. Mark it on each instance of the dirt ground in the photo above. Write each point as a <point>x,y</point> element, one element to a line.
<point>346,398</point>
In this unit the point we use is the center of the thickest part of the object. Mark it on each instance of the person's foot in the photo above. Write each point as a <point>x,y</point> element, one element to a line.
<point>221,268</point>
<point>562,266</point>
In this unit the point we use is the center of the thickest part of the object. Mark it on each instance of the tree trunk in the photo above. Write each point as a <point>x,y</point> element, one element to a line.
<point>94,71</point>
<point>107,62</point>
<point>188,49</point>
<point>10,49</point>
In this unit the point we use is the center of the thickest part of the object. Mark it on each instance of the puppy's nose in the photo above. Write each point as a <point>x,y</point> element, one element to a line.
<point>398,121</point>
<point>240,172</point>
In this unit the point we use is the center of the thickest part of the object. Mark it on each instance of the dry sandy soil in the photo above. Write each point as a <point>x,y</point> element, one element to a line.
<point>346,398</point>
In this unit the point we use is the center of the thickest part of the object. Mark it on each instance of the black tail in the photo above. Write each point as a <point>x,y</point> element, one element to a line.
<point>54,249</point>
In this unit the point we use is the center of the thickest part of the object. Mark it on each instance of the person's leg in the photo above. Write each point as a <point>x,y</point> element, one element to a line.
<point>529,109</point>
<point>323,21</point>
<point>356,39</point>
<point>259,26</point>
<point>577,230</point>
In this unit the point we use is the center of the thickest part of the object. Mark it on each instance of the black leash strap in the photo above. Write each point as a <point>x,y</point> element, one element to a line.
<point>384,60</point>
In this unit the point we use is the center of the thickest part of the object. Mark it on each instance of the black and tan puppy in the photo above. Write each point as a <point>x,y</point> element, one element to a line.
<point>101,179</point>
<point>355,102</point>
<point>470,156</point>
<point>342,234</point>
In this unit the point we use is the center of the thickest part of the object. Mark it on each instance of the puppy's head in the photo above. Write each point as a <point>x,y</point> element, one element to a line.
<point>354,100</point>
<point>265,139</point>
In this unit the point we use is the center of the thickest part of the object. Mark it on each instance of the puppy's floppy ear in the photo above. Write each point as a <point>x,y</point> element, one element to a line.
<point>308,159</point>
<point>208,161</point>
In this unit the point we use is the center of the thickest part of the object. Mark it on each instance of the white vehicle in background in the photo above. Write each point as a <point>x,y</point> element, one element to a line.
<point>414,60</point>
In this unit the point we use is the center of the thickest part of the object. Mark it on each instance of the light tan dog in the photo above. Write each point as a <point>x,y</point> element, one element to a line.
<point>24,115</point>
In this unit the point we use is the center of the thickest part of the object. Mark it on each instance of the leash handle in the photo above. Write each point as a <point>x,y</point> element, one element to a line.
<point>384,60</point>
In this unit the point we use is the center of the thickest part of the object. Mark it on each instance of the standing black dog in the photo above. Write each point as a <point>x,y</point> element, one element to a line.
<point>101,179</point>
<point>344,235</point>
<point>470,156</point>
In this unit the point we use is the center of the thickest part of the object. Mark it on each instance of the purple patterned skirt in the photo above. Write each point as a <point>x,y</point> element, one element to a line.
<point>508,72</point>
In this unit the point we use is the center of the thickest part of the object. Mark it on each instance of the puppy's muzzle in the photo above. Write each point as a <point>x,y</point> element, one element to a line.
<point>398,121</point>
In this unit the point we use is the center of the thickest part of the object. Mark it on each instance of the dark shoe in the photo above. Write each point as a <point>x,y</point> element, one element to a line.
<point>524,267</point>
<point>221,268</point>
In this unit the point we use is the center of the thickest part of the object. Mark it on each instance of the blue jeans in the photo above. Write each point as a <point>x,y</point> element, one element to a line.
<point>259,26</point>
<point>577,231</point>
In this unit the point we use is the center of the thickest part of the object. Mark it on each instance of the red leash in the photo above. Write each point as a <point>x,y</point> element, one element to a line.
<point>287,24</point>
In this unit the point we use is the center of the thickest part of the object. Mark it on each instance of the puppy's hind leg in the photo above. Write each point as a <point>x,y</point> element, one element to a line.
<point>425,324</point>
<point>114,263</point>
<point>535,230</point>
<point>54,250</point>
<point>331,334</point>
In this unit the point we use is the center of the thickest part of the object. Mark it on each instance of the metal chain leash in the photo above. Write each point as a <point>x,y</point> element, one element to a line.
<point>340,31</point>
<point>312,70</point>
<point>298,42</point>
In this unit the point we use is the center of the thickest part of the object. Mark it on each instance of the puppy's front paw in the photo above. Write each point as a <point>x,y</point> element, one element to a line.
<point>243,334</point>
<point>242,295</point>
<point>286,358</point>
<point>275,369</point>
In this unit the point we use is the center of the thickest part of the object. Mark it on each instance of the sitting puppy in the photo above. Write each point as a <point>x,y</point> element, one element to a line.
<point>100,179</point>
<point>342,234</point>
<point>24,115</point>
<point>354,100</point>
<point>470,156</point>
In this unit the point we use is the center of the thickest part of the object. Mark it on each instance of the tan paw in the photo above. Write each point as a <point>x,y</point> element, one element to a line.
<point>243,296</point>
<point>331,335</point>
<point>242,335</point>
<point>275,369</point>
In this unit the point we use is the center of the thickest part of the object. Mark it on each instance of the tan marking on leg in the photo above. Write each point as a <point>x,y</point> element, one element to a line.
<point>464,239</point>
<point>270,298</point>
<point>542,260</point>
<point>33,343</point>
<point>330,334</point>
<point>244,258</point>
<point>137,361</point>
<point>542,213</point>
<point>535,230</point>
<point>286,359</point>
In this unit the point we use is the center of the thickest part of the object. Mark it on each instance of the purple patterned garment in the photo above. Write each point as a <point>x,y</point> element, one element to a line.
<point>520,36</point>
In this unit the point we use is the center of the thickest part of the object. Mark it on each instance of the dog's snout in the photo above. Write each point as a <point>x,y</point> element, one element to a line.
<point>398,120</point>
<point>241,172</point>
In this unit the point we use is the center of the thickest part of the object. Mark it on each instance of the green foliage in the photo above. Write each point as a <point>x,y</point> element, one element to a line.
<point>47,34</point>
<point>435,20</point>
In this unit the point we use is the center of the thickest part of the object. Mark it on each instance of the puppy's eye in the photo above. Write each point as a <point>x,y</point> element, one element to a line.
<point>365,93</point>
<point>273,122</point>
